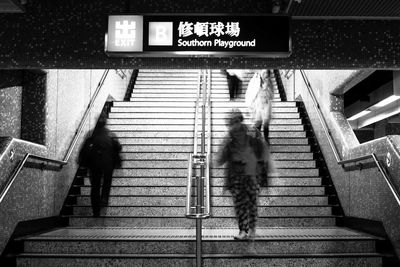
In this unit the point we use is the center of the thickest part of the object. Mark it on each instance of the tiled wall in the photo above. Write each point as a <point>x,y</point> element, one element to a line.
<point>70,34</point>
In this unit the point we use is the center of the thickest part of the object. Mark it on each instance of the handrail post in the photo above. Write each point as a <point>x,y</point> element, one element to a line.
<point>199,163</point>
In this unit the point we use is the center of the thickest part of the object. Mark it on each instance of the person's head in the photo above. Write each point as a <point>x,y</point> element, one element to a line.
<point>265,74</point>
<point>101,123</point>
<point>236,127</point>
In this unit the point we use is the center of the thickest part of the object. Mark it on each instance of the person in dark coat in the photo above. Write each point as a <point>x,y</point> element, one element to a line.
<point>247,162</point>
<point>101,155</point>
<point>233,84</point>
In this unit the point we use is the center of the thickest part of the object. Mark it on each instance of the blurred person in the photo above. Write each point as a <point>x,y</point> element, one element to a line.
<point>233,83</point>
<point>101,155</point>
<point>247,163</point>
<point>259,96</point>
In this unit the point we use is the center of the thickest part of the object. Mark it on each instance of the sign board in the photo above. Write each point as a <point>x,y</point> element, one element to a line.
<point>185,35</point>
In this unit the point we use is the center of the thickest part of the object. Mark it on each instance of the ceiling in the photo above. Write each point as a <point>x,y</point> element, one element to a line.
<point>307,9</point>
<point>11,6</point>
<point>345,8</point>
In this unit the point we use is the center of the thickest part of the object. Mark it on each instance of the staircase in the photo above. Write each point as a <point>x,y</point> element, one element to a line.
<point>144,224</point>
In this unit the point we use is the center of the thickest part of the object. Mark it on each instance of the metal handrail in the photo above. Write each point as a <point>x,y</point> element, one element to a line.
<point>333,147</point>
<point>208,158</point>
<point>196,116</point>
<point>190,167</point>
<point>202,160</point>
<point>69,151</point>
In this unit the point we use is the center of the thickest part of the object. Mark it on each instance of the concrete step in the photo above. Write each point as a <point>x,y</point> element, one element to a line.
<point>168,83</point>
<point>170,97</point>
<point>175,211</point>
<point>176,246</point>
<point>299,221</point>
<point>170,107</point>
<point>75,240</point>
<point>185,156</point>
<point>215,93</point>
<point>141,71</point>
<point>137,181</point>
<point>161,133</point>
<point>230,104</point>
<point>215,191</point>
<point>150,82</point>
<point>364,259</point>
<point>214,141</point>
<point>161,171</point>
<point>154,156</point>
<point>178,127</point>
<point>214,149</point>
<point>166,86</point>
<point>178,115</point>
<point>165,75</point>
<point>287,164</point>
<point>218,201</point>
<point>181,121</point>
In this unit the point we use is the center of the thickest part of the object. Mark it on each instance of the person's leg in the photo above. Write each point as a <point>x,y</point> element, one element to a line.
<point>230,80</point>
<point>236,86</point>
<point>252,191</point>
<point>239,200</point>
<point>266,132</point>
<point>105,190</point>
<point>257,128</point>
<point>95,181</point>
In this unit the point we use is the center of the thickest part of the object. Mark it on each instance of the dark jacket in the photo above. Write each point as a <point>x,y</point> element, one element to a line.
<point>232,154</point>
<point>101,150</point>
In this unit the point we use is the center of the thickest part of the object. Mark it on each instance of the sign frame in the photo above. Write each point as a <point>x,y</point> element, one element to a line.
<point>150,17</point>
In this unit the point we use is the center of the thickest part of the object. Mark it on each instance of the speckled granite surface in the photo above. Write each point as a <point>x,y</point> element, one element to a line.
<point>76,38</point>
<point>40,193</point>
<point>362,190</point>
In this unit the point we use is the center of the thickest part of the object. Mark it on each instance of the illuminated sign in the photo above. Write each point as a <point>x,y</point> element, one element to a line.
<point>172,35</point>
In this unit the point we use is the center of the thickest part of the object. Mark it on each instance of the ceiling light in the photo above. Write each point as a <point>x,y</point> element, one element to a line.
<point>359,115</point>
<point>387,101</point>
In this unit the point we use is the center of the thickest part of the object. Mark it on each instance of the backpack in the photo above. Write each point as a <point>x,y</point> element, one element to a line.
<point>85,153</point>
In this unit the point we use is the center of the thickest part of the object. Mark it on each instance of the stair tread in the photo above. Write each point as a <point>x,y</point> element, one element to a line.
<point>224,217</point>
<point>169,256</point>
<point>220,206</point>
<point>189,233</point>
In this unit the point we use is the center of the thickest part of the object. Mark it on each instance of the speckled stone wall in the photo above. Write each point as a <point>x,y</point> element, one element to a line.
<point>10,111</point>
<point>39,193</point>
<point>70,34</point>
<point>362,191</point>
<point>33,110</point>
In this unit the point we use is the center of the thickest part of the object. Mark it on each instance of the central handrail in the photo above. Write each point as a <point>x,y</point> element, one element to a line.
<point>335,151</point>
<point>63,162</point>
<point>199,192</point>
<point>200,159</point>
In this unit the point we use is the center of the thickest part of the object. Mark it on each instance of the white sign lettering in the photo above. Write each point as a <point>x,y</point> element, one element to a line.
<point>218,29</point>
